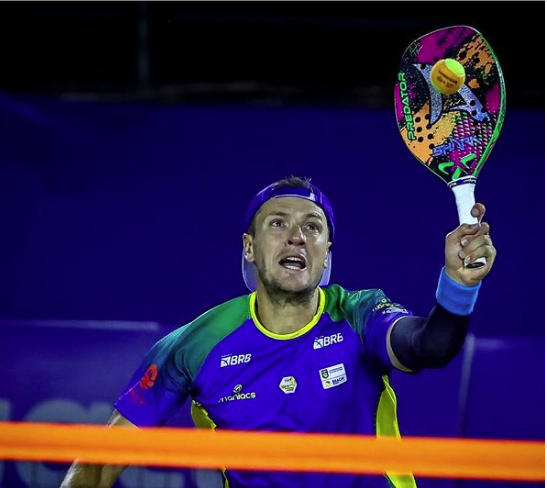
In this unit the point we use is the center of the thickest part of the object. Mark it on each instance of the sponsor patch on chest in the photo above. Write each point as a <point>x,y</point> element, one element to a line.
<point>333,376</point>
<point>288,384</point>
<point>234,359</point>
<point>324,341</point>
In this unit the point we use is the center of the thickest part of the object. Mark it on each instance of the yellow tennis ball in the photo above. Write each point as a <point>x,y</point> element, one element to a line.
<point>447,76</point>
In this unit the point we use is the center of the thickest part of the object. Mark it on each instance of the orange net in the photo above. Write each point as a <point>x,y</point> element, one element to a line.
<point>169,447</point>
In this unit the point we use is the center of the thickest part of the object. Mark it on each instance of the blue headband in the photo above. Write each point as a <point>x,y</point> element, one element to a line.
<point>313,194</point>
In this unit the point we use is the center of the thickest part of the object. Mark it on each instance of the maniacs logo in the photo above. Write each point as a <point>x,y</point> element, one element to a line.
<point>324,341</point>
<point>234,359</point>
<point>238,395</point>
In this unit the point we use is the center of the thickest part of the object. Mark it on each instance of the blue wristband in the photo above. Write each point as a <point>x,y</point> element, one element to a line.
<point>457,299</point>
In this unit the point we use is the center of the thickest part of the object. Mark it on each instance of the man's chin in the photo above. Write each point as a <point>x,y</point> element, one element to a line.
<point>294,283</point>
<point>291,287</point>
<point>288,287</point>
<point>299,288</point>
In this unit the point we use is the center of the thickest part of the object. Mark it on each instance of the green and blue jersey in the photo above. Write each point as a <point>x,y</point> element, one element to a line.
<point>331,376</point>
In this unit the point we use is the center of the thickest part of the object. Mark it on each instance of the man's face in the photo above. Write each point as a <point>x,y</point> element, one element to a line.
<point>290,245</point>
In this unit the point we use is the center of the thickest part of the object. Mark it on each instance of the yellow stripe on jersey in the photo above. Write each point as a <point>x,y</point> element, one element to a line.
<point>388,425</point>
<point>202,420</point>
<point>293,335</point>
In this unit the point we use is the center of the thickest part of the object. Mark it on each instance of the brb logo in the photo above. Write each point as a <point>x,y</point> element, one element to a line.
<point>234,359</point>
<point>325,341</point>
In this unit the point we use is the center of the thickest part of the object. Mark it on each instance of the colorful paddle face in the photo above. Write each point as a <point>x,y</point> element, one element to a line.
<point>452,135</point>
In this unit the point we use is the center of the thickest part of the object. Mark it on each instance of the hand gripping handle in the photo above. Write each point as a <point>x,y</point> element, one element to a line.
<point>465,199</point>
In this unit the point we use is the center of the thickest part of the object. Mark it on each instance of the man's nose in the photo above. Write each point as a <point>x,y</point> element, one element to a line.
<point>296,236</point>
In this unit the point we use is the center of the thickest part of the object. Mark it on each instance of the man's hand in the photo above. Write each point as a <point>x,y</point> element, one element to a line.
<point>465,245</point>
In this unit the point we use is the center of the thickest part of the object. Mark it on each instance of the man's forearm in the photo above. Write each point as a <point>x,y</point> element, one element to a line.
<point>82,475</point>
<point>91,475</point>
<point>430,342</point>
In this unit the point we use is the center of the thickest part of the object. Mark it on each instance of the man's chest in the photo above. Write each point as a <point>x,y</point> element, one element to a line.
<point>316,382</point>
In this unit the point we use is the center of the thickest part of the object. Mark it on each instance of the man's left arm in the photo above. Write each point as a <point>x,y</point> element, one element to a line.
<point>415,343</point>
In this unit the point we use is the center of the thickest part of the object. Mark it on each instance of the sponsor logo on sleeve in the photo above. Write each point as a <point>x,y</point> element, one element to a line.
<point>388,307</point>
<point>394,309</point>
<point>288,384</point>
<point>137,396</point>
<point>383,303</point>
<point>333,376</point>
<point>234,359</point>
<point>324,341</point>
<point>149,377</point>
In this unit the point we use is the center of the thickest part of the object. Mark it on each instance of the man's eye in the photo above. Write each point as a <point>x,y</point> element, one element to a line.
<point>312,227</point>
<point>276,223</point>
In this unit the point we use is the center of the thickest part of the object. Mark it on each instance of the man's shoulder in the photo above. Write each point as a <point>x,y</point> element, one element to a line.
<point>193,342</point>
<point>340,296</point>
<point>220,319</point>
<point>342,303</point>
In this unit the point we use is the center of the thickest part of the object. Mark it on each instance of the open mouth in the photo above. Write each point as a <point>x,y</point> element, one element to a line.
<point>294,263</point>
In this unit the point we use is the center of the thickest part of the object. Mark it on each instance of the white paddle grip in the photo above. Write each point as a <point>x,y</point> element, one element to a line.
<point>465,199</point>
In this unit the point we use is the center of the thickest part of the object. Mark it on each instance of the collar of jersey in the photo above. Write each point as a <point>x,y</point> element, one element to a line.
<point>292,335</point>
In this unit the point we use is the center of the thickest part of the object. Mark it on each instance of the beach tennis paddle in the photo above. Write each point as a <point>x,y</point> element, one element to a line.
<point>450,107</point>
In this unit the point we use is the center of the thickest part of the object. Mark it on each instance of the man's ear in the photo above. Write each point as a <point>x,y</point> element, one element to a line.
<point>248,247</point>
<point>326,262</point>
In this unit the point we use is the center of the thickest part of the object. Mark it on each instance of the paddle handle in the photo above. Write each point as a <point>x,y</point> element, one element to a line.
<point>465,199</point>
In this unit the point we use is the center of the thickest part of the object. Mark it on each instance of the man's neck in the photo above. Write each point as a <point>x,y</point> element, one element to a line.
<point>285,318</point>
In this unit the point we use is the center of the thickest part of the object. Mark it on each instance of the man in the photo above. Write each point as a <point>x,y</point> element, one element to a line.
<point>296,355</point>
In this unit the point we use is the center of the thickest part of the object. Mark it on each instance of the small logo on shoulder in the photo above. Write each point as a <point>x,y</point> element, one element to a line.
<point>383,303</point>
<point>149,377</point>
<point>394,309</point>
<point>333,376</point>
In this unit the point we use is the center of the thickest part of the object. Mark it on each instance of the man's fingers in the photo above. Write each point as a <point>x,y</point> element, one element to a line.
<point>463,230</point>
<point>470,245</point>
<point>486,251</point>
<point>478,211</point>
<point>484,230</point>
<point>466,232</point>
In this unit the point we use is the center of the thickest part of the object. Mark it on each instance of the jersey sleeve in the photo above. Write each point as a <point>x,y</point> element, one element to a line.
<point>377,314</point>
<point>159,387</point>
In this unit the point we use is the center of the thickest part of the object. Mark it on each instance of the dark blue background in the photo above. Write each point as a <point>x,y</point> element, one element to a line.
<point>134,213</point>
